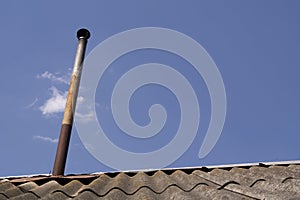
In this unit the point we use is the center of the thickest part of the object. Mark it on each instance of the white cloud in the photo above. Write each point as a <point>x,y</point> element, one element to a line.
<point>53,77</point>
<point>80,100</point>
<point>45,139</point>
<point>85,117</point>
<point>56,103</point>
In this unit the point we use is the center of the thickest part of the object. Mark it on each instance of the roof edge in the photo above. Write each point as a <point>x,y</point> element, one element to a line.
<point>162,169</point>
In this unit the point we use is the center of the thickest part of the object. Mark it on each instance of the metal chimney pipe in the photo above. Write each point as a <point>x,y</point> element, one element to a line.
<point>65,132</point>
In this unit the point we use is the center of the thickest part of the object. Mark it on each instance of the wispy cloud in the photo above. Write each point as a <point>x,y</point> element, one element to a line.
<point>48,75</point>
<point>32,104</point>
<point>56,103</point>
<point>85,117</point>
<point>45,139</point>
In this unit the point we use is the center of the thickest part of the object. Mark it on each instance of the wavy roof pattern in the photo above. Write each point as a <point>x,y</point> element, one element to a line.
<point>250,181</point>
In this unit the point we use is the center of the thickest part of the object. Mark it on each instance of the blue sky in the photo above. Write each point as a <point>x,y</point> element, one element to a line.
<point>255,45</point>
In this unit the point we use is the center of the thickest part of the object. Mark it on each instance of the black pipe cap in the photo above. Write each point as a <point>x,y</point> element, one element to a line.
<point>83,34</point>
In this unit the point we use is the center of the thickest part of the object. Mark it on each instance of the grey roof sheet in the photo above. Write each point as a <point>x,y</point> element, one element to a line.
<point>256,181</point>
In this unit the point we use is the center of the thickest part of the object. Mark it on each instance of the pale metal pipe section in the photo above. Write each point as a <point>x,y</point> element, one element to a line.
<point>65,133</point>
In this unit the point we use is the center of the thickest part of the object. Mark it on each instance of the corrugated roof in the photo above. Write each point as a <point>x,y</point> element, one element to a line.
<point>254,181</point>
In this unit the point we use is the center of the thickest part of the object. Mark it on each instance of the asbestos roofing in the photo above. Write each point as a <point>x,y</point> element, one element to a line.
<point>253,181</point>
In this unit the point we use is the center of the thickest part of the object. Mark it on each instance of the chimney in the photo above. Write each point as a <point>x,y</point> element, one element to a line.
<point>65,132</point>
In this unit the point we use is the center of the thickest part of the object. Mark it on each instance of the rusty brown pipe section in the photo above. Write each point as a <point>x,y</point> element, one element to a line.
<point>65,132</point>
